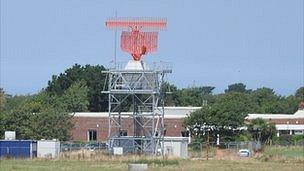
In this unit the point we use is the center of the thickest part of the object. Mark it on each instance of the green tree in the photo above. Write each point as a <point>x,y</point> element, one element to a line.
<point>289,104</point>
<point>2,99</point>
<point>51,123</point>
<point>75,98</point>
<point>2,110</point>
<point>13,102</point>
<point>39,117</point>
<point>207,90</point>
<point>194,96</point>
<point>237,87</point>
<point>93,78</point>
<point>20,119</point>
<point>268,101</point>
<point>2,124</point>
<point>300,93</point>
<point>170,94</point>
<point>261,130</point>
<point>223,117</point>
<point>9,103</point>
<point>207,95</point>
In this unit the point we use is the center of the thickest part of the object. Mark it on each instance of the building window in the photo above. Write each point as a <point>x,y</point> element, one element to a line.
<point>299,132</point>
<point>92,135</point>
<point>284,132</point>
<point>123,133</point>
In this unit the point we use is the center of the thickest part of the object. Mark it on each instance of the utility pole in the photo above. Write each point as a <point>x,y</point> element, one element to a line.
<point>115,43</point>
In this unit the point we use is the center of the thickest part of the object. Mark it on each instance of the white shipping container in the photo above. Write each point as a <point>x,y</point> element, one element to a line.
<point>48,149</point>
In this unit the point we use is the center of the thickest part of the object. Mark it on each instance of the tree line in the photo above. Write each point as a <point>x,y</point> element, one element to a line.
<point>47,114</point>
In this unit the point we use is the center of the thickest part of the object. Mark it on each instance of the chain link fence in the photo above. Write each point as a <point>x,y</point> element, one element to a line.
<point>91,146</point>
<point>233,149</point>
<point>83,150</point>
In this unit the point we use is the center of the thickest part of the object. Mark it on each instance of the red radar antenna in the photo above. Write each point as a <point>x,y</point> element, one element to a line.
<point>136,39</point>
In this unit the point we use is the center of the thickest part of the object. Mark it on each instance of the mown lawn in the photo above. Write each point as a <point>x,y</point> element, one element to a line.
<point>73,165</point>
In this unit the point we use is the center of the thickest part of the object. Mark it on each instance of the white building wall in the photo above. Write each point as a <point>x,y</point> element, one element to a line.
<point>176,147</point>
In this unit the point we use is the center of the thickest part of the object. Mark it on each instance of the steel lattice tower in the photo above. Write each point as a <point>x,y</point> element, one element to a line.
<point>136,97</point>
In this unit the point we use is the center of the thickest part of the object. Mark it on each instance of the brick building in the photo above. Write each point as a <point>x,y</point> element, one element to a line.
<point>94,125</point>
<point>285,123</point>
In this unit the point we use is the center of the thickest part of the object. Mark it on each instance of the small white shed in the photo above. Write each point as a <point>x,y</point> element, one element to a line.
<point>176,146</point>
<point>48,149</point>
<point>9,135</point>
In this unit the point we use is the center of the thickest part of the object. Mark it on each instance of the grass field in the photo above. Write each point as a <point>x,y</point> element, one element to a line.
<point>293,152</point>
<point>273,158</point>
<point>47,165</point>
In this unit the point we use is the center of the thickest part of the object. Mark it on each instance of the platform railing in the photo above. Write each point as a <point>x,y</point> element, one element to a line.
<point>157,66</point>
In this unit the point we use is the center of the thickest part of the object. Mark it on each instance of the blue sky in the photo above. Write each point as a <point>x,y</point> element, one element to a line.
<point>217,43</point>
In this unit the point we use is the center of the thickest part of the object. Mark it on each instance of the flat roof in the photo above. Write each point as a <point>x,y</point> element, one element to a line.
<point>170,112</point>
<point>297,115</point>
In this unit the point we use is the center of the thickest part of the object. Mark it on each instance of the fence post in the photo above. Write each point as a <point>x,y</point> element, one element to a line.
<point>201,149</point>
<point>208,145</point>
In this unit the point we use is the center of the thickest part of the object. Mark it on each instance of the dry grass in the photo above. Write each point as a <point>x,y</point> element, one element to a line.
<point>90,160</point>
<point>283,154</point>
<point>88,155</point>
<point>76,165</point>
